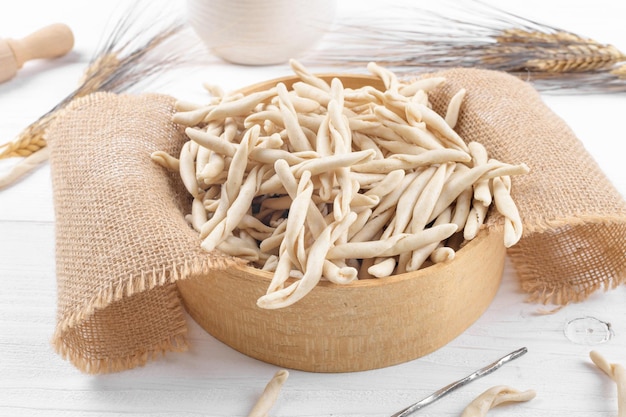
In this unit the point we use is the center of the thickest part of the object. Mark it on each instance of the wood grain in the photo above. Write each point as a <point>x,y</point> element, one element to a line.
<point>359,326</point>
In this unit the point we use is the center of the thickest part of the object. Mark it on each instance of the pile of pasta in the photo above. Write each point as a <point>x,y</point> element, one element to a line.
<point>323,182</point>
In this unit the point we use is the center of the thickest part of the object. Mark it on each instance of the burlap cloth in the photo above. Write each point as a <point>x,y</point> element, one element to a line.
<point>122,241</point>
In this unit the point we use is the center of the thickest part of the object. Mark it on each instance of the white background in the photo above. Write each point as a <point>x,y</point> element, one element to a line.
<point>212,379</point>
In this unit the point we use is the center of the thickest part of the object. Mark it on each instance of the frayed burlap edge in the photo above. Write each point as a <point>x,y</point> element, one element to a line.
<point>174,343</point>
<point>580,279</point>
<point>73,337</point>
<point>144,282</point>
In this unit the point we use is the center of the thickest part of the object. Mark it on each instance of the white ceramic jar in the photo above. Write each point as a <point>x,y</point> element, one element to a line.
<point>260,32</point>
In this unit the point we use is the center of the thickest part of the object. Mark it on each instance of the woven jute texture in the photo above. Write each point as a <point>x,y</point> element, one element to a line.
<point>574,238</point>
<point>122,241</point>
<point>121,237</point>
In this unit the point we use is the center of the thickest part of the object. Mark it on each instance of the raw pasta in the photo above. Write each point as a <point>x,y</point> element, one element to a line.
<point>617,373</point>
<point>324,182</point>
<point>493,397</point>
<point>270,395</point>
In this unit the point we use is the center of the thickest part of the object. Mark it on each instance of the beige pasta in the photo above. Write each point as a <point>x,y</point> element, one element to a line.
<point>166,160</point>
<point>482,192</point>
<point>270,394</point>
<point>493,397</point>
<point>394,245</point>
<point>454,108</point>
<point>323,182</point>
<point>617,373</point>
<point>426,85</point>
<point>513,227</point>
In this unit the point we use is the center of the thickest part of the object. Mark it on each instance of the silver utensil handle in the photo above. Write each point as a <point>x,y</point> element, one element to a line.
<point>461,382</point>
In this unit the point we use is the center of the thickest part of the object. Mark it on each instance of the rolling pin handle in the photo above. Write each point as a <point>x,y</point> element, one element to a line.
<point>49,42</point>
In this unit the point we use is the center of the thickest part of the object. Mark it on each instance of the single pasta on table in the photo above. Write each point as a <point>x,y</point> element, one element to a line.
<point>494,396</point>
<point>324,182</point>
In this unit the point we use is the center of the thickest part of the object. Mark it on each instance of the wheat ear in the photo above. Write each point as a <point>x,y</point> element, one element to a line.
<point>558,52</point>
<point>421,39</point>
<point>619,71</point>
<point>29,141</point>
<point>125,60</point>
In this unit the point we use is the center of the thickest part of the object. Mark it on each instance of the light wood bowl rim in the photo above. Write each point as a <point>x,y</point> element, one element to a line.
<point>429,307</point>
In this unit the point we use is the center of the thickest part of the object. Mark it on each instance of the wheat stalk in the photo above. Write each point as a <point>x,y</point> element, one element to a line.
<point>108,72</point>
<point>481,36</point>
<point>29,141</point>
<point>619,72</point>
<point>129,56</point>
<point>556,52</point>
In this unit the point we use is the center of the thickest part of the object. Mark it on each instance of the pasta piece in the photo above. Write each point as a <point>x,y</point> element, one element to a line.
<point>312,92</point>
<point>339,274</point>
<point>198,214</point>
<point>428,198</point>
<point>213,171</point>
<point>191,117</point>
<point>436,122</point>
<point>394,245</point>
<point>312,274</point>
<point>386,184</point>
<point>295,222</point>
<point>416,258</point>
<point>211,141</point>
<point>482,192</point>
<point>462,207</point>
<point>297,137</point>
<point>414,134</point>
<point>235,213</point>
<point>407,162</point>
<point>309,78</point>
<point>166,160</point>
<point>183,106</point>
<point>617,373</point>
<point>270,395</point>
<point>475,220</point>
<point>314,218</point>
<point>187,168</point>
<point>442,254</point>
<point>493,397</point>
<point>454,108</point>
<point>239,107</point>
<point>513,227</point>
<point>425,84</point>
<point>235,246</point>
<point>407,204</point>
<point>382,269</point>
<point>389,79</point>
<point>459,181</point>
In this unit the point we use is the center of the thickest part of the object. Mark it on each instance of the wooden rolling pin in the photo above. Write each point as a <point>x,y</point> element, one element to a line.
<point>49,42</point>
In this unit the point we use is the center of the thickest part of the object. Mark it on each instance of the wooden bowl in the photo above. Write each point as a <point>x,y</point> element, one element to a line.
<point>363,325</point>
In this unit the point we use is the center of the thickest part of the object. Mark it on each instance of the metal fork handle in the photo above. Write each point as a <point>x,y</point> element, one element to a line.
<point>461,382</point>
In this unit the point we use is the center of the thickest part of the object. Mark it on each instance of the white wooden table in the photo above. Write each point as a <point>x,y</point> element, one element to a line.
<point>213,380</point>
